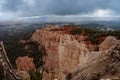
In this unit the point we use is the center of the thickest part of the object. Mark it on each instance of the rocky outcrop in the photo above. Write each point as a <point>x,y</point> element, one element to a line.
<point>49,38</point>
<point>104,65</point>
<point>69,55</point>
<point>64,52</point>
<point>25,64</point>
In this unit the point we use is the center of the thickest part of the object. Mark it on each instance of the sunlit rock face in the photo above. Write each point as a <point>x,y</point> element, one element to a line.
<point>71,54</point>
<point>64,52</point>
<point>101,65</point>
<point>50,40</point>
<point>67,54</point>
<point>25,64</point>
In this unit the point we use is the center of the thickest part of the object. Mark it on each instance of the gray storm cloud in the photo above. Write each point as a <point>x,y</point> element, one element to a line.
<point>26,8</point>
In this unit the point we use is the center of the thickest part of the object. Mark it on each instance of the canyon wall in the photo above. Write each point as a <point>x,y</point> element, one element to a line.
<point>67,53</point>
<point>103,65</point>
<point>62,50</point>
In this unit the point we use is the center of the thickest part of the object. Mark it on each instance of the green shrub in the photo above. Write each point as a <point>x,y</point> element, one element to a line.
<point>33,75</point>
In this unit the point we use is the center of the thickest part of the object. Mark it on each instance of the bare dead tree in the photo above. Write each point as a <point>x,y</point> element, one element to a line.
<point>7,72</point>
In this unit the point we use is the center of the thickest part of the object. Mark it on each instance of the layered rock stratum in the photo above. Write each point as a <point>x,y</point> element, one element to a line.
<point>70,57</point>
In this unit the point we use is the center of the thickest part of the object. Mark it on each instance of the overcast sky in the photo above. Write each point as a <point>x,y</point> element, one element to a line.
<point>58,9</point>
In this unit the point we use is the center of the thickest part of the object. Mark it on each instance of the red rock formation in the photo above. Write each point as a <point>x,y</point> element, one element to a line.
<point>68,29</point>
<point>71,53</point>
<point>62,51</point>
<point>101,65</point>
<point>65,52</point>
<point>25,64</point>
<point>49,39</point>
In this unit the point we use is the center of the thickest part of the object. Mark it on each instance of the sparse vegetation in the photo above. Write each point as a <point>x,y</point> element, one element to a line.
<point>35,75</point>
<point>15,49</point>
